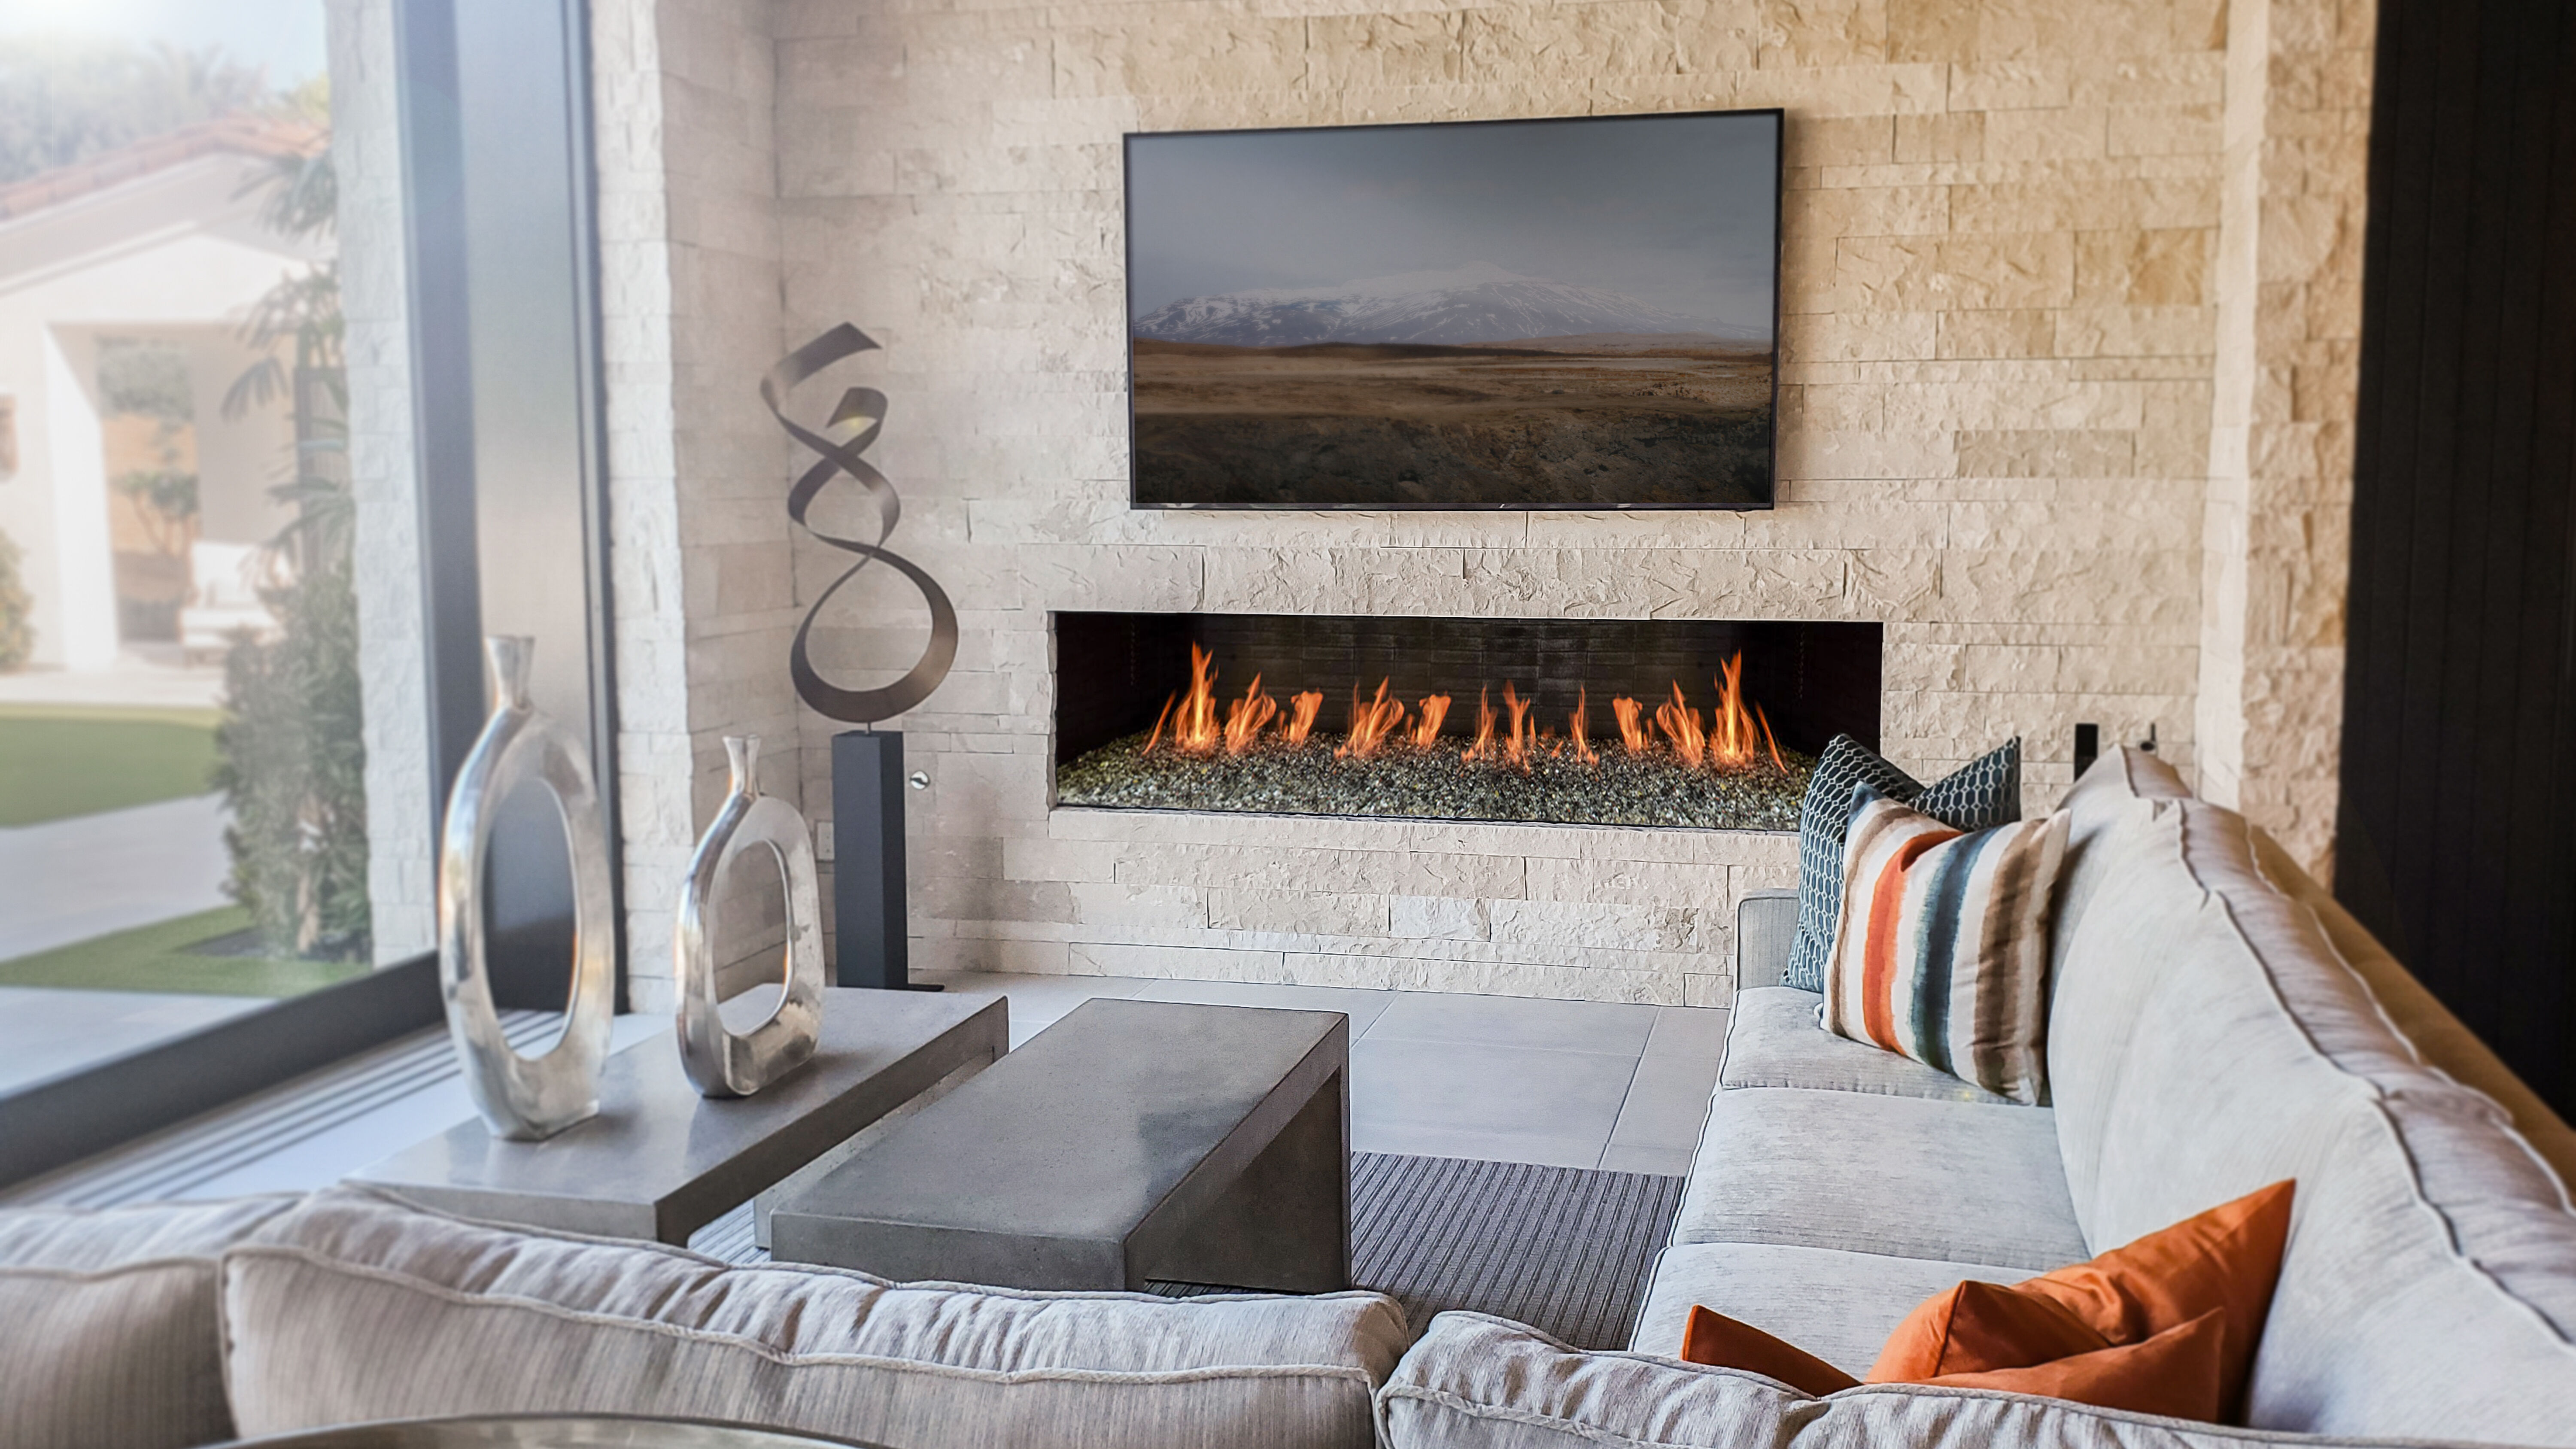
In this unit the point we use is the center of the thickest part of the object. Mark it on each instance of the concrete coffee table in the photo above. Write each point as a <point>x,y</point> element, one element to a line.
<point>660,1161</point>
<point>1131,1140</point>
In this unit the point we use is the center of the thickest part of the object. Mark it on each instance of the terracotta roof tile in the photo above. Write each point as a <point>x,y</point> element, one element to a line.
<point>245,135</point>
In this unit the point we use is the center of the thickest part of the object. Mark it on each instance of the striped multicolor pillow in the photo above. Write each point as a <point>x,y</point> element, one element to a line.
<point>1942,951</point>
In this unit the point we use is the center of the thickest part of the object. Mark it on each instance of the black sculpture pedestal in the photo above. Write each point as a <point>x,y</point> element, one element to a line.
<point>867,861</point>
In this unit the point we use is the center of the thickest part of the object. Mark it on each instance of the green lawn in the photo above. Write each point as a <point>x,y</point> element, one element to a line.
<point>156,958</point>
<point>57,761</point>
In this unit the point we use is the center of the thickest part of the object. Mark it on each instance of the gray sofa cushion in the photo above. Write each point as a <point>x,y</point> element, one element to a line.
<point>108,1330</point>
<point>1838,1306</point>
<point>1475,1382</point>
<point>1903,1176</point>
<point>2439,1038</point>
<point>1774,1041</point>
<point>2113,796</point>
<point>472,1318</point>
<point>1484,1383</point>
<point>2206,1039</point>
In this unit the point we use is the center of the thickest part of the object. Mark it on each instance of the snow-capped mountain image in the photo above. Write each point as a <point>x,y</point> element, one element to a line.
<point>1475,303</point>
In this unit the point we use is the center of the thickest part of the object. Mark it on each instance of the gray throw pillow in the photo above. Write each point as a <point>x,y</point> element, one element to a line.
<point>1979,795</point>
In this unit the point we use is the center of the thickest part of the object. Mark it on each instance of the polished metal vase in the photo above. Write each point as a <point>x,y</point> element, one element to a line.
<point>522,1098</point>
<point>721,1062</point>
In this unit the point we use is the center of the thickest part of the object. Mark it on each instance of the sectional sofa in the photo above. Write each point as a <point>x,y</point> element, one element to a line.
<point>2218,1023</point>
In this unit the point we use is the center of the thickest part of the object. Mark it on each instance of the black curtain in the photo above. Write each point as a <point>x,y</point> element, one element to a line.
<point>2455,844</point>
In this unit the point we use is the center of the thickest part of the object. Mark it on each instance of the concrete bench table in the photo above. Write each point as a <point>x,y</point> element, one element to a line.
<point>660,1161</point>
<point>1130,1140</point>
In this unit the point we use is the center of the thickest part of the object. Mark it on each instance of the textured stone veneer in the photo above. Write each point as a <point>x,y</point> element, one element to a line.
<point>375,307</point>
<point>2012,231</point>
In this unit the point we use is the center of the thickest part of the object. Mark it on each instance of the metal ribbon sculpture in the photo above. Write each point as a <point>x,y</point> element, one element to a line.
<point>858,405</point>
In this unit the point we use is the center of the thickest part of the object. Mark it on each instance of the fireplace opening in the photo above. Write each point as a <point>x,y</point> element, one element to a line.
<point>1691,723</point>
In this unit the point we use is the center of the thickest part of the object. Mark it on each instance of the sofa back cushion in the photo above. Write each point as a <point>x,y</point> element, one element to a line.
<point>358,1307</point>
<point>1476,1382</point>
<point>2113,797</point>
<point>108,1332</point>
<point>1485,1383</point>
<point>2205,1039</point>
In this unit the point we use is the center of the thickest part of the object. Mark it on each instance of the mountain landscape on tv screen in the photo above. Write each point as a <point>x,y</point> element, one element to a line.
<point>1462,306</point>
<point>1467,386</point>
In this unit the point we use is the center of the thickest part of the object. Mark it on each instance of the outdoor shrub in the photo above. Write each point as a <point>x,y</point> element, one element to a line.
<point>292,765</point>
<point>17,626</point>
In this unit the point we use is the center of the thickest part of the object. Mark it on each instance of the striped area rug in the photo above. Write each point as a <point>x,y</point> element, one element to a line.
<point>1565,1250</point>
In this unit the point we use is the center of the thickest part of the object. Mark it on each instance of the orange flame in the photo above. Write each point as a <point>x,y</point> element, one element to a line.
<point>1301,714</point>
<point>1516,748</point>
<point>1631,728</point>
<point>1733,741</point>
<point>1194,727</point>
<point>1426,730</point>
<point>1735,737</point>
<point>1483,747</point>
<point>1371,723</point>
<point>1245,717</point>
<point>1680,724</point>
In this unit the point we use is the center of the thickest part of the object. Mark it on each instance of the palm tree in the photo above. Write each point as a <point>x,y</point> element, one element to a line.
<point>293,762</point>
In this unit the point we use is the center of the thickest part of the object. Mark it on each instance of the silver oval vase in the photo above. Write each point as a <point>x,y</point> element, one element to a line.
<point>522,1098</point>
<point>721,1062</point>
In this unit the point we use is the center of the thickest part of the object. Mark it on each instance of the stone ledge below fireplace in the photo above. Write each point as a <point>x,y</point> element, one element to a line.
<point>1600,913</point>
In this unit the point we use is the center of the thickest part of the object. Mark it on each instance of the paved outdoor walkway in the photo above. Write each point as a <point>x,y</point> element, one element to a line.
<point>45,1033</point>
<point>135,683</point>
<point>70,880</point>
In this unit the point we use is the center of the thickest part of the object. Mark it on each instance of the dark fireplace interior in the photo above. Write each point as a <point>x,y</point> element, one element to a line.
<point>1126,681</point>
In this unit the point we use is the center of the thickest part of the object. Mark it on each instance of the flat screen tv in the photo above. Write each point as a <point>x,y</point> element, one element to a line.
<point>1561,314</point>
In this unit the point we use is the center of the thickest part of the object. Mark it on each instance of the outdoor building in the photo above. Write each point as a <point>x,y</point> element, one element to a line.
<point>160,245</point>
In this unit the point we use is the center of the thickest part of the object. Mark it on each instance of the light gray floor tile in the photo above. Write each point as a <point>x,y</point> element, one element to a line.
<point>1667,1103</point>
<point>1662,1162</point>
<point>1575,1026</point>
<point>1689,1031</point>
<point>1361,1006</point>
<point>1502,1090</point>
<point>1479,1146</point>
<point>1432,1074</point>
<point>1037,1001</point>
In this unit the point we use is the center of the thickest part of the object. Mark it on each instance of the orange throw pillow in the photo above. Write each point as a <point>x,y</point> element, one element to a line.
<point>1723,1342</point>
<point>1980,1326</point>
<point>2175,1373</point>
<point>2226,1260</point>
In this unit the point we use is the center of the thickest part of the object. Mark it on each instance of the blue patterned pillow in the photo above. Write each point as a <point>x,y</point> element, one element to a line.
<point>1980,795</point>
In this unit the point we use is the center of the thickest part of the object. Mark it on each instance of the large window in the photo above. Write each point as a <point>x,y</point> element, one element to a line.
<point>295,376</point>
<point>183,807</point>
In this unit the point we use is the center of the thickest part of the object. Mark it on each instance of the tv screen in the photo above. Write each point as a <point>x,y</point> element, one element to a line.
<point>1567,314</point>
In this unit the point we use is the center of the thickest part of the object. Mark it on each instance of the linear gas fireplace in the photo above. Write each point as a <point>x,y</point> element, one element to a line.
<point>1693,723</point>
